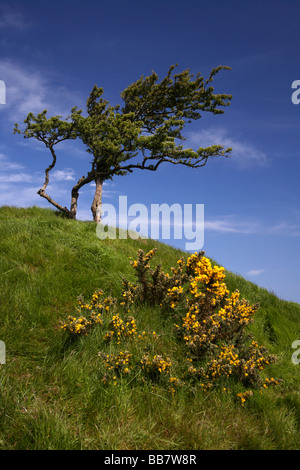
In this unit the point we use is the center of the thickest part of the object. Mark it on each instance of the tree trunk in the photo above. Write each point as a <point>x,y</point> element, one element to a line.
<point>75,193</point>
<point>74,199</point>
<point>97,202</point>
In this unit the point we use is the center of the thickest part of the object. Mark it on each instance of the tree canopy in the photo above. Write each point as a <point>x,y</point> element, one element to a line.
<point>146,132</point>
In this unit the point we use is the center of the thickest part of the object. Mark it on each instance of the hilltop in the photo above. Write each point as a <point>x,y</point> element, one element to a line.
<point>52,395</point>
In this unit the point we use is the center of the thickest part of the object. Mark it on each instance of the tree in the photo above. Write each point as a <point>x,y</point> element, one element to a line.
<point>51,132</point>
<point>143,134</point>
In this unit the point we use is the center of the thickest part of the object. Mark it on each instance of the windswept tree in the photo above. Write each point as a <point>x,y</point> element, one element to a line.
<point>143,134</point>
<point>52,131</point>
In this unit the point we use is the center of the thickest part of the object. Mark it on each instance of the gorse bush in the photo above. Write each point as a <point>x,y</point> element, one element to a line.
<point>210,326</point>
<point>154,286</point>
<point>115,365</point>
<point>90,314</point>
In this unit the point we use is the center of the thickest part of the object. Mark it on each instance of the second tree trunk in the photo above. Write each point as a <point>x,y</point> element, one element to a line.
<point>97,202</point>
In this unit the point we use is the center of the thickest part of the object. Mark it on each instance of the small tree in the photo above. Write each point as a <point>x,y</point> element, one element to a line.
<point>143,134</point>
<point>52,131</point>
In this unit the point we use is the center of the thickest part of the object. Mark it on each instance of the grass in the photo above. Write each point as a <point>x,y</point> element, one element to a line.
<point>51,393</point>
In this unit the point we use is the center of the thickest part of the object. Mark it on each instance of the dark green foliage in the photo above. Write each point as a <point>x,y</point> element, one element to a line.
<point>143,134</point>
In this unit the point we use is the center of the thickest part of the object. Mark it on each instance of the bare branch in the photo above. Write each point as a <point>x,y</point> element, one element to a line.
<point>42,193</point>
<point>50,167</point>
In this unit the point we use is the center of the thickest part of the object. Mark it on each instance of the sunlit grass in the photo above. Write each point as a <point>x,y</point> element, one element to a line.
<point>51,393</point>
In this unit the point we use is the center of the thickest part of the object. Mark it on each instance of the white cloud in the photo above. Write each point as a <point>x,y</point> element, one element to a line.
<point>29,90</point>
<point>22,196</point>
<point>16,178</point>
<point>7,165</point>
<point>285,228</point>
<point>229,224</point>
<point>244,154</point>
<point>255,272</point>
<point>68,174</point>
<point>19,186</point>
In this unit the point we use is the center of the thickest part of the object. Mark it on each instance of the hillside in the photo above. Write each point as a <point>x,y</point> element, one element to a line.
<point>52,395</point>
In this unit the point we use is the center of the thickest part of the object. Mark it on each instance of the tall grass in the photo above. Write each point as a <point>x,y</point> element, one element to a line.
<point>51,393</point>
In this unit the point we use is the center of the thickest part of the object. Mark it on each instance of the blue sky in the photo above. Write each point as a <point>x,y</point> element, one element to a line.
<point>51,55</point>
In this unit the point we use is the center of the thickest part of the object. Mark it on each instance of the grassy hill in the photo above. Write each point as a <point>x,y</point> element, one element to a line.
<point>51,391</point>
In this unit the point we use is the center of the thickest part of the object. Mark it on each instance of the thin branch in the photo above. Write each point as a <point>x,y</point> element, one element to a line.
<point>50,167</point>
<point>142,166</point>
<point>84,180</point>
<point>42,192</point>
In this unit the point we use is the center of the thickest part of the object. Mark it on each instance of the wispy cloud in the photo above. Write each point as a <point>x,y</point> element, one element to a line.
<point>233,224</point>
<point>13,16</point>
<point>16,178</point>
<point>255,272</point>
<point>244,154</point>
<point>30,90</point>
<point>285,228</point>
<point>225,224</point>
<point>19,186</point>
<point>7,165</point>
<point>68,174</point>
<point>12,172</point>
<point>22,196</point>
<point>16,184</point>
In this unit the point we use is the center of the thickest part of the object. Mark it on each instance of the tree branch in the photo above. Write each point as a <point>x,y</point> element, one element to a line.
<point>42,191</point>
<point>142,166</point>
<point>50,167</point>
